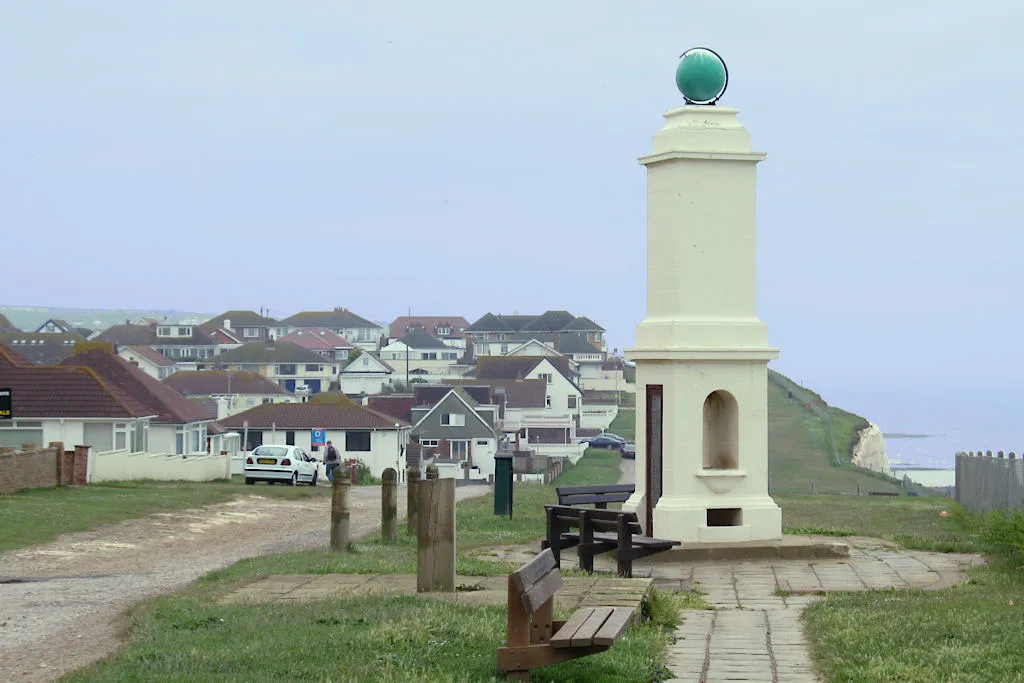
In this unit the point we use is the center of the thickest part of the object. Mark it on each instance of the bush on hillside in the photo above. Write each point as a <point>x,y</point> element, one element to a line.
<point>1003,531</point>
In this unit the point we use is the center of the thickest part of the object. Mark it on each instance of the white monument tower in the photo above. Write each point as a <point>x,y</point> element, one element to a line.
<point>702,354</point>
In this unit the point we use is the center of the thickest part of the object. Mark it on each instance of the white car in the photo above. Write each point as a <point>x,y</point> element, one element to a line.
<point>286,464</point>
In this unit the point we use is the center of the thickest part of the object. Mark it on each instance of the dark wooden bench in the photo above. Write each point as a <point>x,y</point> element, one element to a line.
<point>535,638</point>
<point>598,496</point>
<point>594,531</point>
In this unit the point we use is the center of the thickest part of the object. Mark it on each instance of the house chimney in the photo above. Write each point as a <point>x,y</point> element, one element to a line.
<point>555,342</point>
<point>227,323</point>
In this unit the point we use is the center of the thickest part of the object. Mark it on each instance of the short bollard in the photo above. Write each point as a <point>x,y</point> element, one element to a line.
<point>435,535</point>
<point>412,476</point>
<point>339,510</point>
<point>432,471</point>
<point>389,505</point>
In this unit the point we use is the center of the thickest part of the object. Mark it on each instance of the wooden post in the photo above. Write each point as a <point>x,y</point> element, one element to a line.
<point>389,505</point>
<point>432,471</point>
<point>812,487</point>
<point>858,488</point>
<point>412,477</point>
<point>435,556</point>
<point>339,510</point>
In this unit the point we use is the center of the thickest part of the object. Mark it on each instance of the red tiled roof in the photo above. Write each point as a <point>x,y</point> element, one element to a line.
<point>152,355</point>
<point>396,405</point>
<point>519,393</point>
<point>515,367</point>
<point>206,382</point>
<point>163,401</point>
<point>311,416</point>
<point>316,338</point>
<point>59,391</point>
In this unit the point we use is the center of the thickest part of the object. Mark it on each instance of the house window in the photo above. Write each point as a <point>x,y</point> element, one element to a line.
<point>443,331</point>
<point>267,400</point>
<point>289,438</point>
<point>139,434</point>
<point>449,356</point>
<point>286,369</point>
<point>428,443</point>
<point>357,441</point>
<point>547,401</point>
<point>504,348</point>
<point>314,368</point>
<point>428,356</point>
<point>572,403</point>
<point>366,361</point>
<point>179,442</point>
<point>453,419</point>
<point>546,376</point>
<point>195,441</point>
<point>481,443</point>
<point>251,332</point>
<point>120,436</point>
<point>184,331</point>
<point>163,332</point>
<point>460,449</point>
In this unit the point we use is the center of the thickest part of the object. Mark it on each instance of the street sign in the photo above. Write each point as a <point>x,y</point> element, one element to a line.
<point>5,404</point>
<point>318,437</point>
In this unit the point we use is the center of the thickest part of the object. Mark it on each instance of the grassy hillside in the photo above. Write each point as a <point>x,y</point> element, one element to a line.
<point>799,447</point>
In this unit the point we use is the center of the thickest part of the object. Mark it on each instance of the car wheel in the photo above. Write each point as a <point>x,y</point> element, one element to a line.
<point>249,481</point>
<point>295,479</point>
<point>312,482</point>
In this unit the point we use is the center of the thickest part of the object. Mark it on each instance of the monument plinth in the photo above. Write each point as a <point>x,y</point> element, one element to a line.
<point>702,353</point>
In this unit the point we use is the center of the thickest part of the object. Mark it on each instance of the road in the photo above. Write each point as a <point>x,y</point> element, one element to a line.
<point>61,604</point>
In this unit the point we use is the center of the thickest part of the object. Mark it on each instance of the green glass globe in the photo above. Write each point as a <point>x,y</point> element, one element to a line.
<point>701,76</point>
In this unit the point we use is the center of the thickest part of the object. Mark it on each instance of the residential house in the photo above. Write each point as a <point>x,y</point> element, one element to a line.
<point>6,326</point>
<point>180,342</point>
<point>42,348</point>
<point>493,335</point>
<point>356,329</point>
<point>179,426</point>
<point>423,354</point>
<point>358,433</point>
<point>232,392</point>
<point>587,360</point>
<point>152,362</point>
<point>289,365</point>
<point>366,374</point>
<point>461,436</point>
<point>55,326</point>
<point>244,326</point>
<point>450,329</point>
<point>321,341</point>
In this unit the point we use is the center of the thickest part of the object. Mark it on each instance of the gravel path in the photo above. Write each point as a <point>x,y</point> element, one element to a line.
<point>60,603</point>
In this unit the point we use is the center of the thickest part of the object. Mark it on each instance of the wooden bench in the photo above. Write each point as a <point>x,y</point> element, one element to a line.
<point>535,638</point>
<point>598,496</point>
<point>598,531</point>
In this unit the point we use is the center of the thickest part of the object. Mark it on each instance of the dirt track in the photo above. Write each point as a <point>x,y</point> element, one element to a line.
<point>60,602</point>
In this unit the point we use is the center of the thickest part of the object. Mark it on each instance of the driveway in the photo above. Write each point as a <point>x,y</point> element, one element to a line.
<point>60,603</point>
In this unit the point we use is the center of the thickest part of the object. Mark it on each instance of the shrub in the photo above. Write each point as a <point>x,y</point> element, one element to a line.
<point>1004,532</point>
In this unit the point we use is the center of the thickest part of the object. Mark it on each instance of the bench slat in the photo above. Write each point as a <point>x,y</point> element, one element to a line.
<point>532,571</point>
<point>614,626</point>
<point>586,499</point>
<point>606,488</point>
<point>585,635</point>
<point>564,636</point>
<point>542,591</point>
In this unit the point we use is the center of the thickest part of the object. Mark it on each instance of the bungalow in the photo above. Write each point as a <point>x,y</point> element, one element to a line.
<point>461,437</point>
<point>287,364</point>
<point>179,426</point>
<point>151,361</point>
<point>358,330</point>
<point>366,374</point>
<point>321,341</point>
<point>358,432</point>
<point>233,392</point>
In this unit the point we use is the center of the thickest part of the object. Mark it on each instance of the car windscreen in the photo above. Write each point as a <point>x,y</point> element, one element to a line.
<point>272,451</point>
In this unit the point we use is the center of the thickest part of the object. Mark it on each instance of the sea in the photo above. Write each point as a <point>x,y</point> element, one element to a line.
<point>924,433</point>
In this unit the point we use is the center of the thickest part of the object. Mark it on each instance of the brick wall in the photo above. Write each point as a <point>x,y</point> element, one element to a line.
<point>33,468</point>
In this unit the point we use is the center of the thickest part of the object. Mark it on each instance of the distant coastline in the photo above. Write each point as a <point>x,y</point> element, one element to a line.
<point>899,435</point>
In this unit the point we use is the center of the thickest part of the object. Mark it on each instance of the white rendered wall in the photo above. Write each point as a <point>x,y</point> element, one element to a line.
<point>701,333</point>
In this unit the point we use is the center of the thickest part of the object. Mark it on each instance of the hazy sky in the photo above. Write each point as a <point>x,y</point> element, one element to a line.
<point>460,157</point>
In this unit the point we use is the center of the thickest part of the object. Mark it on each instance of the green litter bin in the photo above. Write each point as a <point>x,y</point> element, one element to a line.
<point>503,484</point>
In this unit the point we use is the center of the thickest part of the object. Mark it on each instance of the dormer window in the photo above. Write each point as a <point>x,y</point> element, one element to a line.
<point>184,331</point>
<point>163,332</point>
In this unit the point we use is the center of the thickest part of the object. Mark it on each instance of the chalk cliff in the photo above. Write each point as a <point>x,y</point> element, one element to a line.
<point>869,450</point>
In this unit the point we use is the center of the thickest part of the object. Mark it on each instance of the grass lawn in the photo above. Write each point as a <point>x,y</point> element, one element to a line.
<point>40,515</point>
<point>191,638</point>
<point>624,424</point>
<point>911,522</point>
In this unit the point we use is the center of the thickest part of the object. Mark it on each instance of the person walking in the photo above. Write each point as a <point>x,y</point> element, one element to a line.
<point>331,460</point>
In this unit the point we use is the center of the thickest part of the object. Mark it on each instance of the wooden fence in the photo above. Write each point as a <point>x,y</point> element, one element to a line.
<point>986,482</point>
